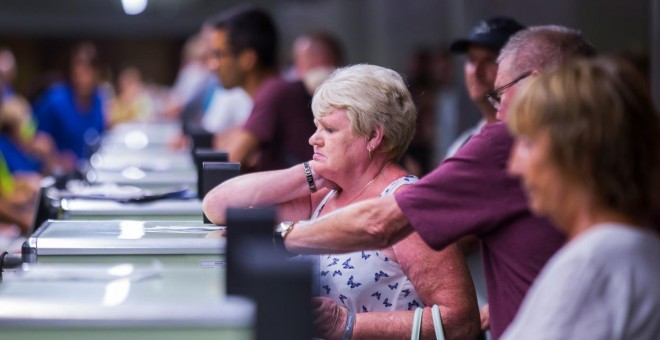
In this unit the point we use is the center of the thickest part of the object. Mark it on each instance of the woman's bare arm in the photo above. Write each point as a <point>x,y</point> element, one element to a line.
<point>287,188</point>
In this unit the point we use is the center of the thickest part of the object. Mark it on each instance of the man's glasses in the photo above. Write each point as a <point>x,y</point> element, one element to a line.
<point>494,96</point>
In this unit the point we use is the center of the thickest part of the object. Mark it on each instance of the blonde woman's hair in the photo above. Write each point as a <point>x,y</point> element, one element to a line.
<point>371,96</point>
<point>604,131</point>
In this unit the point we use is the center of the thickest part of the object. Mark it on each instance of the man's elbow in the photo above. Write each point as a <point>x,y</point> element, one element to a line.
<point>379,236</point>
<point>469,329</point>
<point>462,321</point>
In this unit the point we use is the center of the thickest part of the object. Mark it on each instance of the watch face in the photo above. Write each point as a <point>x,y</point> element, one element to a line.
<point>283,226</point>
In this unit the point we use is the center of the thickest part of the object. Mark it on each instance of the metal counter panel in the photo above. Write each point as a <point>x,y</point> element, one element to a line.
<point>97,301</point>
<point>168,207</point>
<point>127,237</point>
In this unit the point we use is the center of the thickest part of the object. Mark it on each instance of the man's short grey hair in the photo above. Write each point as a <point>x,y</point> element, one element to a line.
<point>544,47</point>
<point>372,96</point>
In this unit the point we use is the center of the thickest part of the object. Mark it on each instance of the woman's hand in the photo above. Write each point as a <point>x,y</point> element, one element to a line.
<point>329,318</point>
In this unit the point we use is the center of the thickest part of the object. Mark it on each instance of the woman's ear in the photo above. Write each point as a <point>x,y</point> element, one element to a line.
<point>376,138</point>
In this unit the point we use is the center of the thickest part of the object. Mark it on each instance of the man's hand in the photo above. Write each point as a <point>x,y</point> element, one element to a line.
<point>484,314</point>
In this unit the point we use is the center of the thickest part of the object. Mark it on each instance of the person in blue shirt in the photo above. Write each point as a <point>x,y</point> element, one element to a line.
<point>72,112</point>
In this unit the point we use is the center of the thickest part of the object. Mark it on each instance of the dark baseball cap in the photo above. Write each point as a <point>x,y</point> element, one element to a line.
<point>492,33</point>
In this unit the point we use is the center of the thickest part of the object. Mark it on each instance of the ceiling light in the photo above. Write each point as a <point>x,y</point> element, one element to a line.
<point>134,7</point>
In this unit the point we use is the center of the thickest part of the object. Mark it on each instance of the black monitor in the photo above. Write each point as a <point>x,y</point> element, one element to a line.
<point>281,289</point>
<point>244,225</point>
<point>201,139</point>
<point>206,155</point>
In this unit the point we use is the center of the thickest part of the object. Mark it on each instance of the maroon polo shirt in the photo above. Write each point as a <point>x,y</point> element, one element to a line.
<point>472,194</point>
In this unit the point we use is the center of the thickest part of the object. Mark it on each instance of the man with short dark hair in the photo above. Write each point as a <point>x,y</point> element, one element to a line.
<point>244,54</point>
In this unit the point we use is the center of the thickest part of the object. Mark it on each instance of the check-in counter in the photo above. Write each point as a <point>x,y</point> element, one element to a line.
<point>138,242</point>
<point>140,136</point>
<point>166,209</point>
<point>153,160</point>
<point>135,176</point>
<point>123,301</point>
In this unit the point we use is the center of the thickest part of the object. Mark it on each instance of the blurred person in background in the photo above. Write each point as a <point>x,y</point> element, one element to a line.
<point>26,151</point>
<point>16,199</point>
<point>275,134</point>
<point>315,56</point>
<point>210,107</point>
<point>132,102</point>
<point>194,82</point>
<point>72,111</point>
<point>481,48</point>
<point>588,151</point>
<point>7,72</point>
<point>229,108</point>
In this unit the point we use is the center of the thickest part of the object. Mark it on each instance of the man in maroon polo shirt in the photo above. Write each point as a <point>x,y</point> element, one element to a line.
<point>244,53</point>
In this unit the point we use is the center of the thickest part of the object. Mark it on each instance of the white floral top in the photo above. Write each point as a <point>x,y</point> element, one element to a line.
<point>367,281</point>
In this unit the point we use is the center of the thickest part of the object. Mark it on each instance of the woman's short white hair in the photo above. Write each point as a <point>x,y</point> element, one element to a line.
<point>371,96</point>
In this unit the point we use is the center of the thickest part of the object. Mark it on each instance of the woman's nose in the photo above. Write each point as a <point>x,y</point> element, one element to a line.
<point>313,139</point>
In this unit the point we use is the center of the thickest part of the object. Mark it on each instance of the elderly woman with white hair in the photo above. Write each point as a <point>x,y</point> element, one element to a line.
<point>365,119</point>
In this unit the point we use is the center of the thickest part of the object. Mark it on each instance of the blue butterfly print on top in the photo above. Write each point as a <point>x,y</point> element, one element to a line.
<point>387,303</point>
<point>365,256</point>
<point>334,262</point>
<point>377,295</point>
<point>324,272</point>
<point>364,309</point>
<point>413,304</point>
<point>353,284</point>
<point>377,276</point>
<point>336,272</point>
<point>405,292</point>
<point>394,286</point>
<point>327,289</point>
<point>347,265</point>
<point>342,297</point>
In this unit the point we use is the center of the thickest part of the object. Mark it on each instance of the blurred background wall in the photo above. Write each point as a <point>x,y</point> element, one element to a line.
<point>383,32</point>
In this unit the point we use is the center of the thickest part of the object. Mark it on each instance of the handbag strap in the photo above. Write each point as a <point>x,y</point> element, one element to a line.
<point>417,323</point>
<point>437,323</point>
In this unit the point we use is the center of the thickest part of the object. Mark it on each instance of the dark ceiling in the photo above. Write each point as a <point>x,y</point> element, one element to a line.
<point>105,18</point>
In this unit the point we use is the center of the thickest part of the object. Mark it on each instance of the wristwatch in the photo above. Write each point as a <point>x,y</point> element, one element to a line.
<point>285,228</point>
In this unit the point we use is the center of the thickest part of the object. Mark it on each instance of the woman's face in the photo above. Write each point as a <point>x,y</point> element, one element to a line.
<point>336,148</point>
<point>545,186</point>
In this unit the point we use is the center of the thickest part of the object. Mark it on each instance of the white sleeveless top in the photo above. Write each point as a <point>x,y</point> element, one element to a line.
<point>367,281</point>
